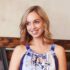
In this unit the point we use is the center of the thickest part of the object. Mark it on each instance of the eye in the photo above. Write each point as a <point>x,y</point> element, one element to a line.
<point>27,23</point>
<point>37,21</point>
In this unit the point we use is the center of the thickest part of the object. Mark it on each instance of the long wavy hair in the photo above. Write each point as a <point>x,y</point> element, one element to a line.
<point>25,36</point>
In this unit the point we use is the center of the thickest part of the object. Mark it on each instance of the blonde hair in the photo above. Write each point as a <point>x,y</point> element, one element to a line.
<point>25,36</point>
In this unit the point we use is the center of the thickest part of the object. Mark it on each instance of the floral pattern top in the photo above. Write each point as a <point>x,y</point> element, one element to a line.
<point>34,61</point>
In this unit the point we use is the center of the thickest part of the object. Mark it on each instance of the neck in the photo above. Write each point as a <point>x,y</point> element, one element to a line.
<point>39,45</point>
<point>38,41</point>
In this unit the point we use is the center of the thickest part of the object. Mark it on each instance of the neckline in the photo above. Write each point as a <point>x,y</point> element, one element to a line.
<point>36,53</point>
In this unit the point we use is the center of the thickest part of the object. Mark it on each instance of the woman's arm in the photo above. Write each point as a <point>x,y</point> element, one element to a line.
<point>16,57</point>
<point>60,53</point>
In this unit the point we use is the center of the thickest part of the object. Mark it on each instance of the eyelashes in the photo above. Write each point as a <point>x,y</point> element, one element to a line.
<point>34,22</point>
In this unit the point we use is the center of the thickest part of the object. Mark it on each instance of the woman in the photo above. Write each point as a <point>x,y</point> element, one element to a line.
<point>38,51</point>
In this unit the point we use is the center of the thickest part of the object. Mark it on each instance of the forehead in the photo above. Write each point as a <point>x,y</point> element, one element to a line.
<point>33,16</point>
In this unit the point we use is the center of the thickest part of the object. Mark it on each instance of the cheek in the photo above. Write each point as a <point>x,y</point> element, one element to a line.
<point>41,25</point>
<point>41,29</point>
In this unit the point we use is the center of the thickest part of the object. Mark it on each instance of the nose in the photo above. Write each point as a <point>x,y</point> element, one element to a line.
<point>33,26</point>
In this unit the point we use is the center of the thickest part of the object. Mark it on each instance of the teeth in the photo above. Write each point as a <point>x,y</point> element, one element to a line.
<point>34,32</point>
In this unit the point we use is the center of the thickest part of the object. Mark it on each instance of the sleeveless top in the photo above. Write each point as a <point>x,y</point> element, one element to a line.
<point>34,61</point>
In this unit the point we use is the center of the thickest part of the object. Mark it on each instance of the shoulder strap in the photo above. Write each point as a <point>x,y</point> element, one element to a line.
<point>22,59</point>
<point>56,62</point>
<point>27,46</point>
<point>54,55</point>
<point>21,62</point>
<point>53,47</point>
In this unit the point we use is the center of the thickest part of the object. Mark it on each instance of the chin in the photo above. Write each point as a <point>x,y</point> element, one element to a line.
<point>36,36</point>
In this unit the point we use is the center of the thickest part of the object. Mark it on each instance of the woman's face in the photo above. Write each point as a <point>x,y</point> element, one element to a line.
<point>34,25</point>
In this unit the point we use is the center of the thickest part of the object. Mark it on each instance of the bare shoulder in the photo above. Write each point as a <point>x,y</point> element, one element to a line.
<point>17,54</point>
<point>60,52</point>
<point>61,55</point>
<point>20,49</point>
<point>59,49</point>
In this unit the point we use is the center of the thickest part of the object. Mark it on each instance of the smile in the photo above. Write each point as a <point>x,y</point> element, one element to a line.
<point>34,32</point>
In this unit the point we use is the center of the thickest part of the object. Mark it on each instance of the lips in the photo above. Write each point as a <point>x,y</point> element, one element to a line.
<point>34,32</point>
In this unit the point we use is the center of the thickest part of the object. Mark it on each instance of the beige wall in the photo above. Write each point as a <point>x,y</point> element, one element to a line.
<point>58,12</point>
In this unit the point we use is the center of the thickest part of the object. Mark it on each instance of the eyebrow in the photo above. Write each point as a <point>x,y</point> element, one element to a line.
<point>37,19</point>
<point>34,20</point>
